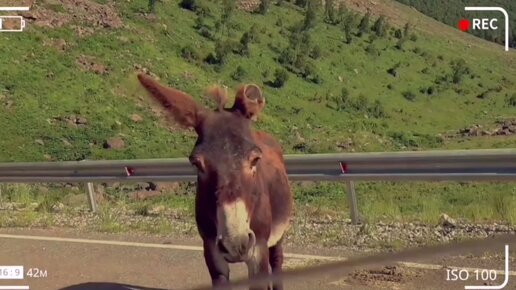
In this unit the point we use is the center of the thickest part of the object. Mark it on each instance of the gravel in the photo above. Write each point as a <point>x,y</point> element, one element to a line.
<point>327,232</point>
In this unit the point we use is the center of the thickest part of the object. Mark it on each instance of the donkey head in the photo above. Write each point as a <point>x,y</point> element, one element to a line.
<point>225,156</point>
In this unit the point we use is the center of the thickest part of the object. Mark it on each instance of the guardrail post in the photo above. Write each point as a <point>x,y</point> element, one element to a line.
<point>91,197</point>
<point>355,218</point>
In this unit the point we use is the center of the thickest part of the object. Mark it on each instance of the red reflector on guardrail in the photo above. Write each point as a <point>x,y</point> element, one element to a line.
<point>343,167</point>
<point>129,171</point>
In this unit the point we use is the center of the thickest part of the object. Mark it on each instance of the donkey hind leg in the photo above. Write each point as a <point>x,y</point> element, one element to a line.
<point>258,264</point>
<point>217,265</point>
<point>276,261</point>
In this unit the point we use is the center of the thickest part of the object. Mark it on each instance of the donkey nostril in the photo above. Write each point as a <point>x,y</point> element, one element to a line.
<point>222,248</point>
<point>252,240</point>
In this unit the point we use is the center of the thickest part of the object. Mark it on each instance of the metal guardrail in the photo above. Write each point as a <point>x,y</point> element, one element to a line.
<point>451,165</point>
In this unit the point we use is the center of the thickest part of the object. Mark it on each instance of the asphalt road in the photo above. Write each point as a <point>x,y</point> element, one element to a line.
<point>158,263</point>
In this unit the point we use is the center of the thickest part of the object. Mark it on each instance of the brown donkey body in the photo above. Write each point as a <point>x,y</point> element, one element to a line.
<point>243,202</point>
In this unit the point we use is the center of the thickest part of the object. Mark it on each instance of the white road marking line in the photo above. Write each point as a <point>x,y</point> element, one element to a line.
<point>149,245</point>
<point>440,267</point>
<point>14,9</point>
<point>197,248</point>
<point>14,287</point>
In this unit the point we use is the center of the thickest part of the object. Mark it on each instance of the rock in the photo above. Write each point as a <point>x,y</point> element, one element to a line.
<point>114,143</point>
<point>8,104</point>
<point>66,143</point>
<point>446,221</point>
<point>157,210</point>
<point>42,189</point>
<point>89,63</point>
<point>143,195</point>
<point>172,187</point>
<point>123,39</point>
<point>136,118</point>
<point>81,120</point>
<point>39,141</point>
<point>58,207</point>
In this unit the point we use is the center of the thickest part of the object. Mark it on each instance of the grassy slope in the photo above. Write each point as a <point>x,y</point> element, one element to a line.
<point>45,83</point>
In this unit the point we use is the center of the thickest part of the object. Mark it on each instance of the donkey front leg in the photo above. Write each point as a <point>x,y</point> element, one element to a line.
<point>217,265</point>
<point>258,264</point>
<point>276,261</point>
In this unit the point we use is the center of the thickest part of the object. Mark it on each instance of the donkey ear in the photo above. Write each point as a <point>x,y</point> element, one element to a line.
<point>185,111</point>
<point>249,101</point>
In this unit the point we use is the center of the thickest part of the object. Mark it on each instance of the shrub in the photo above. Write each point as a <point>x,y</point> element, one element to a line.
<point>399,44</point>
<point>409,95</point>
<point>280,78</point>
<point>245,40</point>
<point>190,54</point>
<point>372,50</point>
<point>239,74</point>
<point>152,5</point>
<point>511,101</point>
<point>316,52</point>
<point>393,71</point>
<point>377,110</point>
<point>206,32</point>
<point>264,6</point>
<point>342,101</point>
<point>186,4</point>
<point>222,50</point>
<point>253,34</point>
<point>361,103</point>
<point>398,34</point>
<point>460,69</point>
<point>301,3</point>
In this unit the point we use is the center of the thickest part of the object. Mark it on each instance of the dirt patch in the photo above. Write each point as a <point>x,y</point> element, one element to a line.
<point>501,128</point>
<point>88,63</point>
<point>71,121</point>
<point>59,44</point>
<point>386,274</point>
<point>57,13</point>
<point>392,277</point>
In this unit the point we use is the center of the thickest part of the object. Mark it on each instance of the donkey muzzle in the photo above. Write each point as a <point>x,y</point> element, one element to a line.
<point>237,249</point>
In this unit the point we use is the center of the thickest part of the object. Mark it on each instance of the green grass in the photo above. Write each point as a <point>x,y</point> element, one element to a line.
<point>44,84</point>
<point>405,202</point>
<point>378,201</point>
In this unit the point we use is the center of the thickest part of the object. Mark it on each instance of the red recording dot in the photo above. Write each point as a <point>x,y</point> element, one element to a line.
<point>464,25</point>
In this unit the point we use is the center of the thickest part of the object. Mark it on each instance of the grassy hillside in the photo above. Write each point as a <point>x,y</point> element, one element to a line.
<point>67,84</point>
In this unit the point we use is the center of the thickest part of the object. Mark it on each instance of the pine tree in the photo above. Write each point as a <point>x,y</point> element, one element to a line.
<point>329,12</point>
<point>380,26</point>
<point>363,27</point>
<point>264,6</point>
<point>311,15</point>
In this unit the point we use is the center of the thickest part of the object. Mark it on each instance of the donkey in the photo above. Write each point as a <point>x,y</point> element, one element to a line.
<point>243,203</point>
